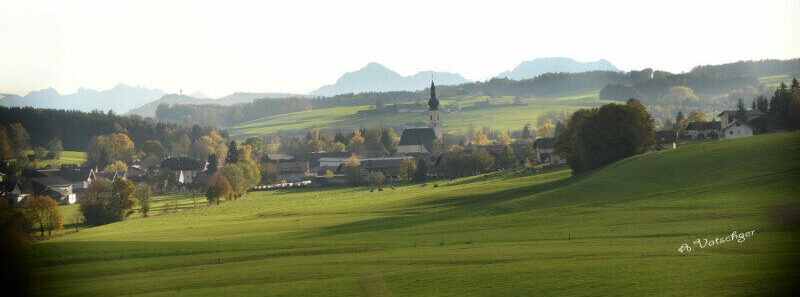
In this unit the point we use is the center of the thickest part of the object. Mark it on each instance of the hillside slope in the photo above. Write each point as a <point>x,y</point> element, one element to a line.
<point>614,231</point>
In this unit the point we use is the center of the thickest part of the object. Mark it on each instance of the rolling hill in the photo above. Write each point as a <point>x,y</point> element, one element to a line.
<point>375,77</point>
<point>614,231</point>
<point>539,66</point>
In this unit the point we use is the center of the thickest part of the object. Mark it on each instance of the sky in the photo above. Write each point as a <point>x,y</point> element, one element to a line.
<point>221,47</point>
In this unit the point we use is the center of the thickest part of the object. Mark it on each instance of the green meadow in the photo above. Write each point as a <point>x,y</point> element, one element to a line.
<point>498,117</point>
<point>67,157</point>
<point>614,231</point>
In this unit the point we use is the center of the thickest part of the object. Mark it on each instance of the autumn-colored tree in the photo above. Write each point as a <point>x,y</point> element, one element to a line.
<point>117,166</point>
<point>235,176</point>
<point>547,129</point>
<point>218,188</point>
<point>356,143</point>
<point>696,116</point>
<point>107,202</point>
<point>352,169</point>
<point>478,138</point>
<point>407,169</point>
<point>503,139</point>
<point>43,211</point>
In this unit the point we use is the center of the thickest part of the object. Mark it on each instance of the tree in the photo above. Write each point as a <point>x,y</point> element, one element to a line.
<point>153,148</point>
<point>19,138</point>
<point>421,174</point>
<point>741,112</point>
<point>480,139</point>
<point>762,104</point>
<point>679,117</point>
<point>546,130</point>
<point>526,133</point>
<point>256,144</point>
<point>213,164</point>
<point>336,147</point>
<point>507,158</point>
<point>269,174</point>
<point>106,202</point>
<point>482,159</point>
<point>121,200</point>
<point>252,174</point>
<point>218,188</point>
<point>233,157</point>
<point>118,166</point>
<point>388,139</point>
<point>696,116</point>
<point>39,153</point>
<point>407,169</point>
<point>377,178</point>
<point>503,139</point>
<point>356,142</point>
<point>54,147</point>
<point>143,194</point>
<point>340,138</point>
<point>352,169</point>
<point>236,178</point>
<point>5,145</point>
<point>598,137</point>
<point>103,149</point>
<point>43,211</point>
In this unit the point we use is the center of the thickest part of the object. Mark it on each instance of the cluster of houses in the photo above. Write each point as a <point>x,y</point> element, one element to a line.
<point>68,183</point>
<point>728,127</point>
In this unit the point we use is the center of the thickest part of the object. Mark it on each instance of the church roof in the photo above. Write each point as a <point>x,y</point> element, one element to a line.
<point>433,103</point>
<point>416,136</point>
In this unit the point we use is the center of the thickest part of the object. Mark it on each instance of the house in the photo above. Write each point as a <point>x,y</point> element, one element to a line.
<point>704,129</point>
<point>289,168</point>
<point>737,129</point>
<point>314,159</point>
<point>416,140</point>
<point>11,190</point>
<point>46,182</point>
<point>545,150</point>
<point>666,140</point>
<point>729,116</point>
<point>185,170</point>
<point>389,166</point>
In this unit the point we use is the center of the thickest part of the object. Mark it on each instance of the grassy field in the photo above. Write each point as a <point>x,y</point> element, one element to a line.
<point>159,205</point>
<point>614,231</point>
<point>499,117</point>
<point>67,157</point>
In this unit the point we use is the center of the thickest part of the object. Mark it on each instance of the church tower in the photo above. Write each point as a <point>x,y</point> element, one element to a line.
<point>433,113</point>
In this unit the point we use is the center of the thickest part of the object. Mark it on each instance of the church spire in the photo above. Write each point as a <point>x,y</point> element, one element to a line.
<point>433,103</point>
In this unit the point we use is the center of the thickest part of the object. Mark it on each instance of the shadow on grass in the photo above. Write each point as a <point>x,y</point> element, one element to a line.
<point>452,207</point>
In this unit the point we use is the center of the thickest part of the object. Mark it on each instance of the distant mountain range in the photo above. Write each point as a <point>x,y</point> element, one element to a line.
<point>373,77</point>
<point>120,99</point>
<point>536,67</point>
<point>376,78</point>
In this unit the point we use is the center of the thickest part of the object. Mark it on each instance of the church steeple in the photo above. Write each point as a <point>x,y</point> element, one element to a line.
<point>433,113</point>
<point>433,103</point>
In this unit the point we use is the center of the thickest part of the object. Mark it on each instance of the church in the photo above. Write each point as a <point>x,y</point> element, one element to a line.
<point>421,140</point>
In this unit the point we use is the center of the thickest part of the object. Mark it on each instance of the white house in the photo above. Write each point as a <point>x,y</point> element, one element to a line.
<point>737,129</point>
<point>703,129</point>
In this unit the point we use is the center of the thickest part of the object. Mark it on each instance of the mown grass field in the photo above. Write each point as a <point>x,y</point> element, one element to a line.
<point>614,231</point>
<point>159,205</point>
<point>498,117</point>
<point>67,157</point>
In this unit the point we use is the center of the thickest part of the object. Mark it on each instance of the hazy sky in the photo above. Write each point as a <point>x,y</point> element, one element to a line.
<point>219,47</point>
